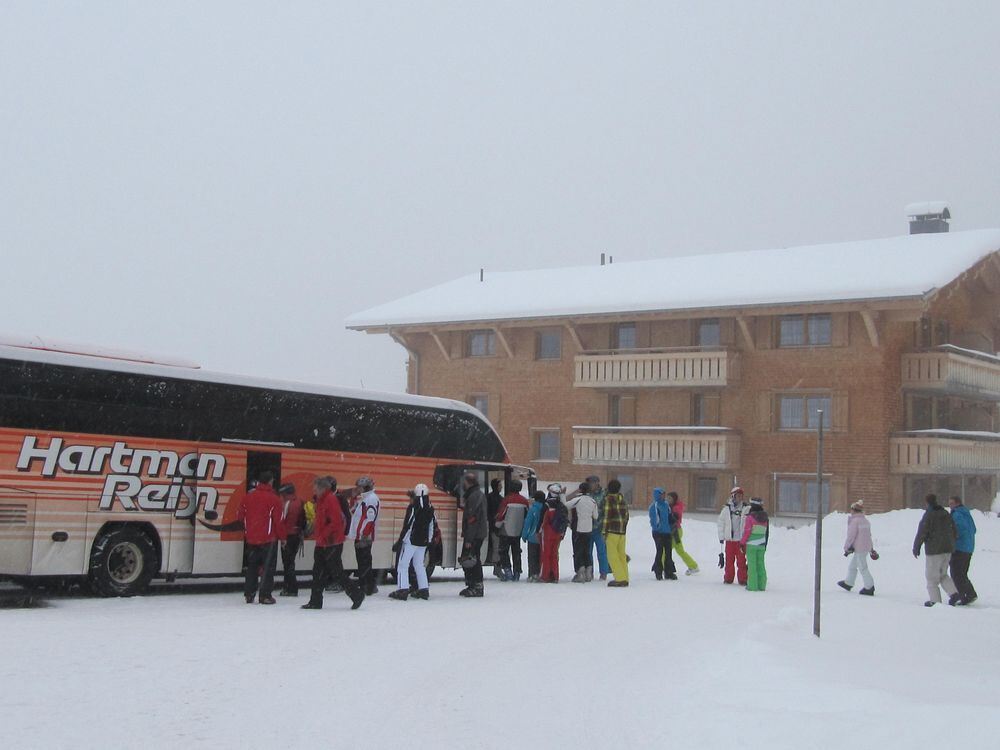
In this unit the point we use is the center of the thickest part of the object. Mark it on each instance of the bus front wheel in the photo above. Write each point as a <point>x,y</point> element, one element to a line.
<point>122,562</point>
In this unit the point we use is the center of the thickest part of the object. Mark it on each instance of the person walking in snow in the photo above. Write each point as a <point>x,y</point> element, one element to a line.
<point>858,545</point>
<point>532,534</point>
<point>475,530</point>
<point>364,528</point>
<point>936,533</point>
<point>293,518</point>
<point>753,542</point>
<point>260,512</point>
<point>555,521</point>
<point>730,524</point>
<point>965,545</point>
<point>663,534</point>
<point>510,523</point>
<point>677,541</point>
<point>615,527</point>
<point>329,531</point>
<point>583,514</point>
<point>598,548</point>
<point>416,534</point>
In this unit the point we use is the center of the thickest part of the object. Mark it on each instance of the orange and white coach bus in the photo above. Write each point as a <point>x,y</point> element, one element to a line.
<point>117,469</point>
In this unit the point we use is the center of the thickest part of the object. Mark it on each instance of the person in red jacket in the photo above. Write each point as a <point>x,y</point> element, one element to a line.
<point>293,517</point>
<point>554,524</point>
<point>329,530</point>
<point>260,513</point>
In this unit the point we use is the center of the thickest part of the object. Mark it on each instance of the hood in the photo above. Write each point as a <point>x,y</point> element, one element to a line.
<point>658,495</point>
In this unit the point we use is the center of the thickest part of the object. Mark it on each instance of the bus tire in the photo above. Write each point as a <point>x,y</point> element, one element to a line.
<point>122,562</point>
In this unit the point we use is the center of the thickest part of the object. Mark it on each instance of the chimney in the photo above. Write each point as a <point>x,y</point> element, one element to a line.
<point>928,217</point>
<point>602,259</point>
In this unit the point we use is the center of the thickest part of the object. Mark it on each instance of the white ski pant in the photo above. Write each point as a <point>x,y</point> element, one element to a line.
<point>859,564</point>
<point>416,556</point>
<point>936,569</point>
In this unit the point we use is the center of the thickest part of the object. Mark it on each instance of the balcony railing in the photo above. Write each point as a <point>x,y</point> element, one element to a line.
<point>949,369</point>
<point>945,452</point>
<point>686,368</point>
<point>682,447</point>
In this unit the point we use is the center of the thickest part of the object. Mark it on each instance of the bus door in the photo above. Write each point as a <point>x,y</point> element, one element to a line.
<point>17,531</point>
<point>448,478</point>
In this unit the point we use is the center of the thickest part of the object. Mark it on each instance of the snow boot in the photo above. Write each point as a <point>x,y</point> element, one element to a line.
<point>400,594</point>
<point>312,605</point>
<point>578,578</point>
<point>289,593</point>
<point>670,577</point>
<point>506,574</point>
<point>357,596</point>
<point>604,576</point>
<point>692,572</point>
<point>472,592</point>
<point>966,601</point>
<point>517,577</point>
<point>424,594</point>
<point>867,592</point>
<point>590,573</point>
<point>267,600</point>
<point>249,598</point>
<point>844,586</point>
<point>929,603</point>
<point>659,576</point>
<point>954,599</point>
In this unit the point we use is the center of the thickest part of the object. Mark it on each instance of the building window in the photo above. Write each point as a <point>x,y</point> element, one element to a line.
<point>546,445</point>
<point>480,401</point>
<point>628,487</point>
<point>798,496</point>
<point>799,412</point>
<point>548,345</point>
<point>625,336</point>
<point>805,330</point>
<point>709,332</point>
<point>482,344</point>
<point>705,493</point>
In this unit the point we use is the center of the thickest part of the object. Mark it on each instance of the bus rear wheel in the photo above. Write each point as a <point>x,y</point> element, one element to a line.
<point>122,562</point>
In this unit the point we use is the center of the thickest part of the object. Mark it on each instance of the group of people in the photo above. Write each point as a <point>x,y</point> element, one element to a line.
<point>596,520</point>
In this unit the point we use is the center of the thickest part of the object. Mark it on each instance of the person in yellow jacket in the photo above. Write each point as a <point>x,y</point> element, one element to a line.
<point>615,526</point>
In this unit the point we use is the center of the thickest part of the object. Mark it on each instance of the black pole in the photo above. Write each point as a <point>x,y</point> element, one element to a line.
<point>819,527</point>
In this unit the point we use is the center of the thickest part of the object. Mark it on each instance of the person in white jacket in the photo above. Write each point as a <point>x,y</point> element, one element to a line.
<point>730,523</point>
<point>583,511</point>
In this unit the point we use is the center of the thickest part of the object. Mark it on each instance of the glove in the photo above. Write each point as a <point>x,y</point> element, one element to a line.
<point>916,555</point>
<point>722,560</point>
<point>847,553</point>
<point>396,547</point>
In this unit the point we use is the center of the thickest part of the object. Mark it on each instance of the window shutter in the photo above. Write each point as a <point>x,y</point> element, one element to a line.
<point>765,331</point>
<point>765,411</point>
<point>627,411</point>
<point>840,325</point>
<point>494,410</point>
<point>710,409</point>
<point>838,494</point>
<point>839,418</point>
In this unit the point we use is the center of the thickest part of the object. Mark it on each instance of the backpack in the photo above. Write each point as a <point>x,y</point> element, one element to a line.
<point>345,508</point>
<point>513,522</point>
<point>560,521</point>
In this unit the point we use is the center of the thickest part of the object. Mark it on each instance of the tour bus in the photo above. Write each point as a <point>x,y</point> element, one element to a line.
<point>118,468</point>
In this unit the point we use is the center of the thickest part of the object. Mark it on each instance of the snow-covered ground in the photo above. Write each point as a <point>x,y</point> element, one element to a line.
<point>691,663</point>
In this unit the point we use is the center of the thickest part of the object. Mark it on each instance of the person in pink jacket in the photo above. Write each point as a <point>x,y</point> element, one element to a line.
<point>858,545</point>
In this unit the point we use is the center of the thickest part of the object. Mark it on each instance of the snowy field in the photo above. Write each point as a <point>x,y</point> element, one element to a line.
<point>691,663</point>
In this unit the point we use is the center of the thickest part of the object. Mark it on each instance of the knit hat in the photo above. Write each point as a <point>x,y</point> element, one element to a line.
<point>735,491</point>
<point>756,501</point>
<point>858,505</point>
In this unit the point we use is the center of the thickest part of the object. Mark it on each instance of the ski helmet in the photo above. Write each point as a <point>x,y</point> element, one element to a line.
<point>365,484</point>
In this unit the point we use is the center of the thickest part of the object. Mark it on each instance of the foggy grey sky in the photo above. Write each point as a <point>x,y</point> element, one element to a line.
<point>228,181</point>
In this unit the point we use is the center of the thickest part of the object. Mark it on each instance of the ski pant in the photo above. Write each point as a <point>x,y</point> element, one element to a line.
<point>581,550</point>
<point>597,539</point>
<point>859,564</point>
<point>510,550</point>
<point>678,544</point>
<point>366,576</point>
<point>328,565</point>
<point>616,556</point>
<point>550,554</point>
<point>663,562</point>
<point>288,552</point>
<point>474,573</point>
<point>936,571</point>
<point>735,556</point>
<point>534,559</point>
<point>261,562</point>
<point>757,573</point>
<point>960,574</point>
<point>415,555</point>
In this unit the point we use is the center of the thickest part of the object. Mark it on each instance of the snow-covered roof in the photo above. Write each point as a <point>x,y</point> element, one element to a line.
<point>909,266</point>
<point>928,208</point>
<point>103,362</point>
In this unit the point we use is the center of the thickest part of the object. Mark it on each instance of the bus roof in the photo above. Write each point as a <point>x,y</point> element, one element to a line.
<point>106,360</point>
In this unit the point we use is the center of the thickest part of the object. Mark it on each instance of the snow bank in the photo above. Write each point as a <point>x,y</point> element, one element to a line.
<point>531,665</point>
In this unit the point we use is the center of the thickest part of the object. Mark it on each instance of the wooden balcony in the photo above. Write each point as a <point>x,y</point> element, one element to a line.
<point>646,368</point>
<point>951,370</point>
<point>944,452</point>
<point>680,447</point>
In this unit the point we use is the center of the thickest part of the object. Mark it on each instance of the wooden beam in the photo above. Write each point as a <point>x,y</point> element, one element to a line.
<point>575,335</point>
<point>871,324</point>
<point>745,330</point>
<point>437,340</point>
<point>503,342</point>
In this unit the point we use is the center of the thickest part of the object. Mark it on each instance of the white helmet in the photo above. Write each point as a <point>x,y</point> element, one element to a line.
<point>421,490</point>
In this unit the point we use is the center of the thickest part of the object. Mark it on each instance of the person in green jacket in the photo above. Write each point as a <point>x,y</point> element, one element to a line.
<point>756,530</point>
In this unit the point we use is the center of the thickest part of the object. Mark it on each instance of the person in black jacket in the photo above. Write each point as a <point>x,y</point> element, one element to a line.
<point>936,534</point>
<point>493,500</point>
<point>417,532</point>
<point>475,529</point>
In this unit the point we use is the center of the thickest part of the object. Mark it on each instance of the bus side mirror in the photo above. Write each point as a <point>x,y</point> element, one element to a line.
<point>211,515</point>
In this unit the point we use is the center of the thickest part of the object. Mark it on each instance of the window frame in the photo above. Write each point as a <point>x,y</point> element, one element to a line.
<point>697,494</point>
<point>536,437</point>
<point>473,397</point>
<point>617,338</point>
<point>718,330</point>
<point>807,338</point>
<point>807,413</point>
<point>805,481</point>
<point>491,347</point>
<point>539,335</point>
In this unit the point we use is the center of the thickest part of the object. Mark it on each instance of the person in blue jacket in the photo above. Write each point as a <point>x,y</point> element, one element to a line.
<point>531,534</point>
<point>965,544</point>
<point>663,530</point>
